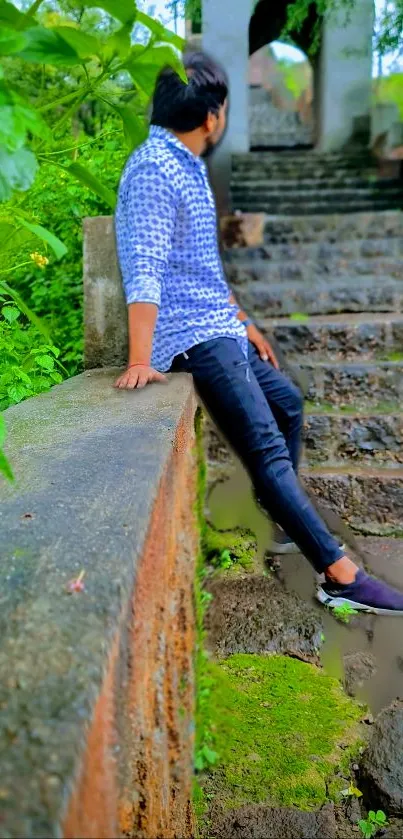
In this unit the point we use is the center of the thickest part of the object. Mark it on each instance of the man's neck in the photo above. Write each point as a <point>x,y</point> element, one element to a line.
<point>193,140</point>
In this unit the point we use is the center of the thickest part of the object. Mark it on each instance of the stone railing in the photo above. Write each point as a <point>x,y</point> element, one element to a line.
<point>96,686</point>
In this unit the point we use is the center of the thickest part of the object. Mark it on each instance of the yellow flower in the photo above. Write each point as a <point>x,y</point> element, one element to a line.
<point>39,259</point>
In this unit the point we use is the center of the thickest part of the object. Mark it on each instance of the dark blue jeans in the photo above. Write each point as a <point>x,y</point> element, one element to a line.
<point>259,411</point>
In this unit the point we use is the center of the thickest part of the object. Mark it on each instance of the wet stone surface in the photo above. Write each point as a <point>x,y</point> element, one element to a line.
<point>358,668</point>
<point>253,614</point>
<point>382,765</point>
<point>256,821</point>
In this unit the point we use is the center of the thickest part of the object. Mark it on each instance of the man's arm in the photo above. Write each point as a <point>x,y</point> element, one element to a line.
<point>144,244</point>
<point>256,337</point>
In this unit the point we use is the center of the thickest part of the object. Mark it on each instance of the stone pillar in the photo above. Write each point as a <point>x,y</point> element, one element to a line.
<point>345,74</point>
<point>226,38</point>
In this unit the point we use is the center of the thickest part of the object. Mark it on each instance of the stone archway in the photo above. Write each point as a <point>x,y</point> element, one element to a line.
<point>281,106</point>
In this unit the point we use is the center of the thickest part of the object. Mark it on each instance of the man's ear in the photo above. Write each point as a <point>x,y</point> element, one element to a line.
<point>210,123</point>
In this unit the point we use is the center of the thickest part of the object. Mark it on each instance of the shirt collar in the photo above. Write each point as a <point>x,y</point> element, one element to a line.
<point>156,132</point>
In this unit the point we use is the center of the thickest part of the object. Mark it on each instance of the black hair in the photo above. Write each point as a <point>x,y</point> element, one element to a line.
<point>184,107</point>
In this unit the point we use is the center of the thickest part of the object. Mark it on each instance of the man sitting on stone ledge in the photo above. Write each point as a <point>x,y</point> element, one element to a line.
<point>182,317</point>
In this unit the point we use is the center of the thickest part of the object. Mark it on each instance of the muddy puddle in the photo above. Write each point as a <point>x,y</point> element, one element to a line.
<point>377,639</point>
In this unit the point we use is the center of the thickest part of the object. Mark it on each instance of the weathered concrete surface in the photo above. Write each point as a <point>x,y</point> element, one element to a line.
<point>256,821</point>
<point>253,614</point>
<point>105,313</point>
<point>382,765</point>
<point>345,73</point>
<point>337,438</point>
<point>96,688</point>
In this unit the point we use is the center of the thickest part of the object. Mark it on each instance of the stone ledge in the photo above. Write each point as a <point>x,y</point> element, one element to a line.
<point>96,688</point>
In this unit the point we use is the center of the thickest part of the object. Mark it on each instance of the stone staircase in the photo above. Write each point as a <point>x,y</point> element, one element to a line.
<point>330,288</point>
<point>291,183</point>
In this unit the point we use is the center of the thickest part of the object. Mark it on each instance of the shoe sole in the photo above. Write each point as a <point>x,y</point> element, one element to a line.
<point>334,602</point>
<point>281,549</point>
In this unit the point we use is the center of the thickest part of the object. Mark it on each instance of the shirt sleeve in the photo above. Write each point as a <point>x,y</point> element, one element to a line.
<point>144,233</point>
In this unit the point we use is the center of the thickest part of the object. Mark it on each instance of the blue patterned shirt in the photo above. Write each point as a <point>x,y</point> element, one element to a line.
<point>166,230</point>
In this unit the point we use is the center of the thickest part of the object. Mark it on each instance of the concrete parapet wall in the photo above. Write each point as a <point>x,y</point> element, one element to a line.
<point>96,687</point>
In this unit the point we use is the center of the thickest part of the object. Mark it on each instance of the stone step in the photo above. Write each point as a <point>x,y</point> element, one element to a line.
<point>326,203</point>
<point>369,499</point>
<point>319,296</point>
<point>336,228</point>
<point>336,337</point>
<point>366,384</point>
<point>263,185</point>
<point>241,271</point>
<point>334,438</point>
<point>303,158</point>
<point>321,253</point>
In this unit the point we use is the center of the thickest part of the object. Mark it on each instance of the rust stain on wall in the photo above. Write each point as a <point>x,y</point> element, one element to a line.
<point>136,776</point>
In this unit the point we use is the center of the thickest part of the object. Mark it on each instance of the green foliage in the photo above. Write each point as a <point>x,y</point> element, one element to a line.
<point>28,360</point>
<point>373,823</point>
<point>5,468</point>
<point>390,89</point>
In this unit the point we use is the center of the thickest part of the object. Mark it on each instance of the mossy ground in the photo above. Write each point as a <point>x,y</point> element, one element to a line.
<point>239,544</point>
<point>268,728</point>
<point>277,724</point>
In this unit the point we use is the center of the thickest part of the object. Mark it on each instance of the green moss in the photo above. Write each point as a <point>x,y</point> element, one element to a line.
<point>239,545</point>
<point>328,408</point>
<point>277,724</point>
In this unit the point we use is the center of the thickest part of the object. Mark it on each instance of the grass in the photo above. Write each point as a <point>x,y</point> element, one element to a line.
<point>277,723</point>
<point>364,410</point>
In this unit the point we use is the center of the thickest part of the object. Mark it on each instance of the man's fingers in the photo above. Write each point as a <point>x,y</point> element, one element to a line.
<point>159,377</point>
<point>271,356</point>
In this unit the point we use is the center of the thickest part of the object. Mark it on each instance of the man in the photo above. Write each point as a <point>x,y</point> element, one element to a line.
<point>182,318</point>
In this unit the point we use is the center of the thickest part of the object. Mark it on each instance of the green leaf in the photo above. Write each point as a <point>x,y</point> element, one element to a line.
<point>118,44</point>
<point>123,10</point>
<point>144,65</point>
<point>93,183</point>
<point>134,126</point>
<point>46,46</point>
<point>5,287</point>
<point>160,32</point>
<point>46,362</point>
<point>58,248</point>
<point>10,313</point>
<point>86,46</point>
<point>16,121</point>
<point>9,15</point>
<point>10,41</point>
<point>3,431</point>
<point>17,171</point>
<point>5,467</point>
<point>16,393</point>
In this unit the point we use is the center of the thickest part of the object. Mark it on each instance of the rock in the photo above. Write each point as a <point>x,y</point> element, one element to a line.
<point>254,614</point>
<point>382,763</point>
<point>358,668</point>
<point>259,821</point>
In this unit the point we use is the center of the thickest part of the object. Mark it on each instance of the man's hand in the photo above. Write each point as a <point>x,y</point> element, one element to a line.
<point>138,376</point>
<point>262,345</point>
